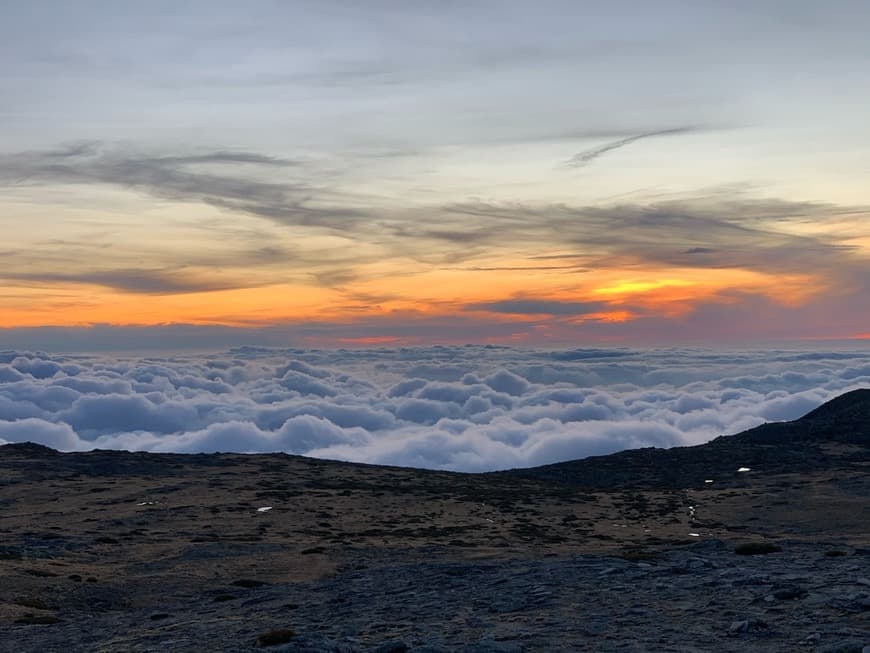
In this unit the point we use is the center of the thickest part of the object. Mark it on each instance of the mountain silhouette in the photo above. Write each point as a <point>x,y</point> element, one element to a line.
<point>836,434</point>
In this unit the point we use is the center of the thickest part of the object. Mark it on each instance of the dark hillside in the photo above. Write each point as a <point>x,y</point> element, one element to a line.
<point>837,434</point>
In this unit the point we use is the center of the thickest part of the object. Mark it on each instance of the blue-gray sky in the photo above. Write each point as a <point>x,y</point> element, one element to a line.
<point>408,171</point>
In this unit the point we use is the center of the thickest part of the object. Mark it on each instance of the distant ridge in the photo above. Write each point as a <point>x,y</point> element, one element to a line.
<point>843,419</point>
<point>28,449</point>
<point>850,408</point>
<point>823,438</point>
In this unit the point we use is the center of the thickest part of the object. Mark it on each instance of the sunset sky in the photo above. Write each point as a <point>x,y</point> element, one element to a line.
<point>339,173</point>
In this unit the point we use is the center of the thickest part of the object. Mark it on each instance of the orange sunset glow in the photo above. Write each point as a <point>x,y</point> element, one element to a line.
<point>368,191</point>
<point>618,296</point>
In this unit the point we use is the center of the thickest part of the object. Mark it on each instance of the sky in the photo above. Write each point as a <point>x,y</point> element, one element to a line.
<point>341,174</point>
<point>466,408</point>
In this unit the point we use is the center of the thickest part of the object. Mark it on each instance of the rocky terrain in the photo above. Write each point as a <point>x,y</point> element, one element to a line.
<point>753,542</point>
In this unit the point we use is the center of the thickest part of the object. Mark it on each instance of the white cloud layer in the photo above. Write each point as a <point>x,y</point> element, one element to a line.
<point>471,408</point>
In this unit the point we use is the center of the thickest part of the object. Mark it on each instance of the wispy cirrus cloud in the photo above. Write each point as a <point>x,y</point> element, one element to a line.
<point>719,229</point>
<point>586,157</point>
<point>724,229</point>
<point>194,177</point>
<point>137,281</point>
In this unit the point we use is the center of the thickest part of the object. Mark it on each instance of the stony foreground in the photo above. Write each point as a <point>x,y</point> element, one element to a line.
<point>700,597</point>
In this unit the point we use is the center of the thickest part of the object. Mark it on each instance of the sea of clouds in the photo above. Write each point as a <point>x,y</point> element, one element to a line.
<point>470,408</point>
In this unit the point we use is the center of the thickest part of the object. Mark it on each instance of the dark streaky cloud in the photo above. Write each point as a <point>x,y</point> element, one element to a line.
<point>145,282</point>
<point>584,158</point>
<point>714,231</point>
<point>182,178</point>
<point>538,307</point>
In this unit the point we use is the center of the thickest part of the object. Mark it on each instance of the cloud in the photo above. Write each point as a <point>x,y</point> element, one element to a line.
<point>587,354</point>
<point>700,250</point>
<point>36,367</point>
<point>470,408</point>
<point>101,414</point>
<point>426,411</point>
<point>538,306</point>
<point>582,159</point>
<point>305,384</point>
<point>196,177</point>
<point>56,436</point>
<point>138,281</point>
<point>9,374</point>
<point>722,228</point>
<point>507,382</point>
<point>300,434</point>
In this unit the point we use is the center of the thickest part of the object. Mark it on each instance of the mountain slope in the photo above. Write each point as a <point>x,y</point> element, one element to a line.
<point>837,434</point>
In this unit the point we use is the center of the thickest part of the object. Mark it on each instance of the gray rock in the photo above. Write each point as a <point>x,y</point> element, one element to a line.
<point>851,603</point>
<point>752,626</point>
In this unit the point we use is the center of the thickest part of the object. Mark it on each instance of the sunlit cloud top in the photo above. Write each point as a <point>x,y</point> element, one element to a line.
<point>335,173</point>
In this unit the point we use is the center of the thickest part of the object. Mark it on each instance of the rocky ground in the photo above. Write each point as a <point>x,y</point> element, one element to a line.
<point>113,551</point>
